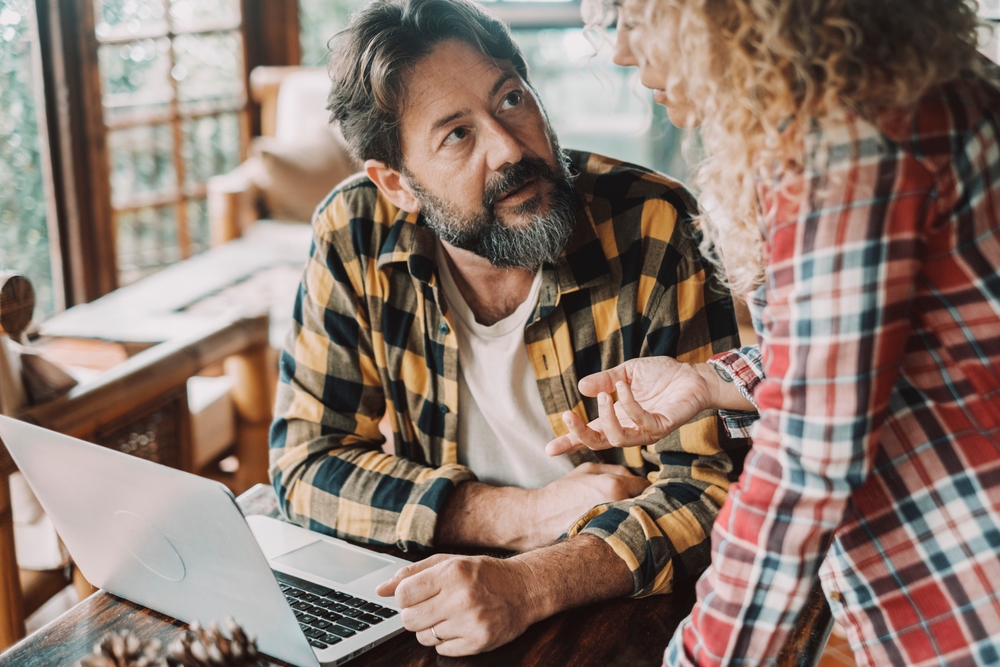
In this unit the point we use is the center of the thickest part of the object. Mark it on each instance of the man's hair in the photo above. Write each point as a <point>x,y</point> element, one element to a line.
<point>375,52</point>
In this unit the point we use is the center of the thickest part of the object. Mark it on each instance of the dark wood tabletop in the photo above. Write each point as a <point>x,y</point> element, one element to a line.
<point>626,632</point>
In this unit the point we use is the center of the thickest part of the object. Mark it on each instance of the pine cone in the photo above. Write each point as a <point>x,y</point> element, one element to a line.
<point>123,649</point>
<point>202,647</point>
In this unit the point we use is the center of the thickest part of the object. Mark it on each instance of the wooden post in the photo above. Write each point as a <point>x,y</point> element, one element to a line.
<point>84,589</point>
<point>11,599</point>
<point>252,398</point>
<point>17,304</point>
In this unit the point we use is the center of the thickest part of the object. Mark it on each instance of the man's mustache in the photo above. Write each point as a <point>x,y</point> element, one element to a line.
<point>515,177</point>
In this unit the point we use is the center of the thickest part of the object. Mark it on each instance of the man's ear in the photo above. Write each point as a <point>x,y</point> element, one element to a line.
<point>393,185</point>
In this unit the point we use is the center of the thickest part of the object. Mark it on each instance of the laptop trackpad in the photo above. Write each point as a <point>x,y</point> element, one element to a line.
<point>333,562</point>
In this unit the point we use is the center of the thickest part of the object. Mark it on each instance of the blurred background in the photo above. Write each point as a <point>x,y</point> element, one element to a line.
<point>164,85</point>
<point>175,111</point>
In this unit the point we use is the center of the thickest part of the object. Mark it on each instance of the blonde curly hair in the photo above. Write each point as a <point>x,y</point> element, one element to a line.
<point>757,73</point>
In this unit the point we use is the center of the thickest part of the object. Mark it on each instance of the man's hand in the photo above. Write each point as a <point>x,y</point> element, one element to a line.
<point>473,603</point>
<point>656,395</point>
<point>478,515</point>
<point>477,603</point>
<point>560,503</point>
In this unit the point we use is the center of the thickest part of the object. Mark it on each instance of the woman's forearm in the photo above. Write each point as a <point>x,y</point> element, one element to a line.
<point>723,392</point>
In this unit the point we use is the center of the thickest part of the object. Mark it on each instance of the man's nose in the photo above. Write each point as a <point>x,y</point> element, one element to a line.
<point>502,147</point>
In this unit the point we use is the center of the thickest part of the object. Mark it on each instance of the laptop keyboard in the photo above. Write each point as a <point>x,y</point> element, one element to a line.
<point>327,616</point>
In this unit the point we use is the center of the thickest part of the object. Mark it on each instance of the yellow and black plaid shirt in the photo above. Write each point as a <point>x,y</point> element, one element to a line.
<point>372,336</point>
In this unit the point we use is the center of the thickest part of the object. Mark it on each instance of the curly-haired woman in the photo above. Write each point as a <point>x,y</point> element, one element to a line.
<point>853,165</point>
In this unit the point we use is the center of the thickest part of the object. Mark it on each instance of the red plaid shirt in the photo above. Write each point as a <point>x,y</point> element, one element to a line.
<point>876,462</point>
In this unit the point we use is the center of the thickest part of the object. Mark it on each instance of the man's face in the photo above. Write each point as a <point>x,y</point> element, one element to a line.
<point>482,161</point>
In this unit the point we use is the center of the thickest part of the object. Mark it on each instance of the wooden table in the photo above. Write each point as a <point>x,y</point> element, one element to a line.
<point>623,632</point>
<point>626,632</point>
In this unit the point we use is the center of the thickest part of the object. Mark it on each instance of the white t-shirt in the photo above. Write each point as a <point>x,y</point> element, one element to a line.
<point>502,425</point>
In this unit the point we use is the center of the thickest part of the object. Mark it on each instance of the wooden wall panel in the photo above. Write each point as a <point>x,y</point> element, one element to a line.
<point>271,37</point>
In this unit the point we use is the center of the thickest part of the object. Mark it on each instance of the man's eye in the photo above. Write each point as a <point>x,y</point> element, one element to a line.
<point>456,136</point>
<point>512,99</point>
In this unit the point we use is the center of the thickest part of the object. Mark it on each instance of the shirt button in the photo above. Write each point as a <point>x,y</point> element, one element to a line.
<point>444,329</point>
<point>443,408</point>
<point>837,597</point>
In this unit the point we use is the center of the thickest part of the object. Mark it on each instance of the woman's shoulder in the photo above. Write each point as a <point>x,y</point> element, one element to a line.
<point>947,119</point>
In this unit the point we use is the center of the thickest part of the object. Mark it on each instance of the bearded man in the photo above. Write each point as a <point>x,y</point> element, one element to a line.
<point>457,289</point>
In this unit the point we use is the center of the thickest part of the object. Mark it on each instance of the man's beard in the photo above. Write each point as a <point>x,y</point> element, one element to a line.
<point>540,239</point>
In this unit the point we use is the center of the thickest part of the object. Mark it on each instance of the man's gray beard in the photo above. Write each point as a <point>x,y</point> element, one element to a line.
<point>541,239</point>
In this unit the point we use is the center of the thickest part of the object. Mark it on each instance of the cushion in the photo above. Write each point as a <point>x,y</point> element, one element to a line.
<point>300,109</point>
<point>295,176</point>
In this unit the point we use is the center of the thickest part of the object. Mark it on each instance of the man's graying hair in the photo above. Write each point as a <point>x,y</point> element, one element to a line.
<point>380,45</point>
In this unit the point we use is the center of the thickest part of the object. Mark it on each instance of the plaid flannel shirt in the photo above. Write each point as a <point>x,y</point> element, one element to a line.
<point>877,454</point>
<point>371,337</point>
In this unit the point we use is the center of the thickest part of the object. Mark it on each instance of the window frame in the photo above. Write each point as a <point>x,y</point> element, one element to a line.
<point>83,233</point>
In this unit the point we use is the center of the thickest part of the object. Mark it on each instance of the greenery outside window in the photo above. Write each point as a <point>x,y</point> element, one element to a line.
<point>174,104</point>
<point>24,217</point>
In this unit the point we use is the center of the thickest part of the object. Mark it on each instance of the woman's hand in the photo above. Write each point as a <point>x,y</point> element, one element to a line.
<point>656,395</point>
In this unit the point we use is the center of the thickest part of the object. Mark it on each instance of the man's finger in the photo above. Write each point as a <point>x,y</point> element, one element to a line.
<point>637,485</point>
<point>604,381</point>
<point>425,615</point>
<point>388,588</point>
<point>418,588</point>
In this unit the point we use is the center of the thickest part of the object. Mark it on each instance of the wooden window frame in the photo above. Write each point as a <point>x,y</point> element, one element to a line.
<point>76,133</point>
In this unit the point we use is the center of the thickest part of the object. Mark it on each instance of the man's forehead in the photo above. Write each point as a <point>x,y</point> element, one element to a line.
<point>452,72</point>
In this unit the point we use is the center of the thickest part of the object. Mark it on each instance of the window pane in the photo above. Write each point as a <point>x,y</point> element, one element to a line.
<point>194,14</point>
<point>122,18</point>
<point>135,74</point>
<point>211,146</point>
<point>142,162</point>
<point>147,241</point>
<point>197,211</point>
<point>24,237</point>
<point>208,66</point>
<point>319,20</point>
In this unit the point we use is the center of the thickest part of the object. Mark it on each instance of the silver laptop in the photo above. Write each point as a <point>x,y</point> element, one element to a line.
<point>178,543</point>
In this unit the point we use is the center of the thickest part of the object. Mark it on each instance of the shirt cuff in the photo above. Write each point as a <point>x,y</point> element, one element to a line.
<point>638,544</point>
<point>418,519</point>
<point>746,368</point>
<point>740,424</point>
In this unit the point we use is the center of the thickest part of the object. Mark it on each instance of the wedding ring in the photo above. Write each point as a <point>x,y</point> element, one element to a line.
<point>434,632</point>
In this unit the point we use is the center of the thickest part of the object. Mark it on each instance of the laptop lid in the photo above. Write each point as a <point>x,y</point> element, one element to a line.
<point>162,538</point>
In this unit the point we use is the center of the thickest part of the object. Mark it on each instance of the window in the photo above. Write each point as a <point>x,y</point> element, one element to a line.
<point>174,103</point>
<point>24,220</point>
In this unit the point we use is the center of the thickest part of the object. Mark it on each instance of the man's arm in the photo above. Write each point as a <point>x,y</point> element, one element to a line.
<point>327,465</point>
<point>476,604</point>
<point>480,515</point>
